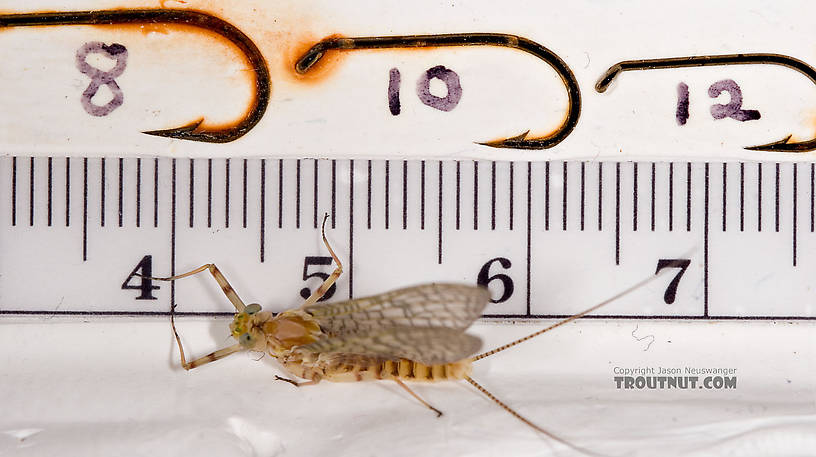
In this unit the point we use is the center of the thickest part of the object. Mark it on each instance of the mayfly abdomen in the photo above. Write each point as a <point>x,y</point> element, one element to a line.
<point>406,370</point>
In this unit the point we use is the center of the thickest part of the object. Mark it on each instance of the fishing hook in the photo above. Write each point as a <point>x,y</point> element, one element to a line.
<point>316,52</point>
<point>783,145</point>
<point>193,131</point>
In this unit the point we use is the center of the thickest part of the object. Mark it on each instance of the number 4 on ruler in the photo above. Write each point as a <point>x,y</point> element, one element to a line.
<point>144,269</point>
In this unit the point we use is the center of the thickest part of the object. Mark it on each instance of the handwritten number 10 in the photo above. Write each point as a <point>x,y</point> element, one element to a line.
<point>423,89</point>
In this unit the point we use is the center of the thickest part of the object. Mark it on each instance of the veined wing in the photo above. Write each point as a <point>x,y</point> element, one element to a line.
<point>428,345</point>
<point>452,306</point>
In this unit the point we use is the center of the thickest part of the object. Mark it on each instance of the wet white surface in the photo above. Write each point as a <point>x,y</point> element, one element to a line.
<point>113,387</point>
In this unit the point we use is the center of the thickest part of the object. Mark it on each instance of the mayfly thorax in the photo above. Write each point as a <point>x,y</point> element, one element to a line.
<point>411,334</point>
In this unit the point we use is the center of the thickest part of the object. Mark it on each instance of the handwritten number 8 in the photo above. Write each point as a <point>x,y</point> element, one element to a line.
<point>100,78</point>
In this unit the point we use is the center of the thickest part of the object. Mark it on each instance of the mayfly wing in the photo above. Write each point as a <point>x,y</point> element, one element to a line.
<point>451,306</point>
<point>427,345</point>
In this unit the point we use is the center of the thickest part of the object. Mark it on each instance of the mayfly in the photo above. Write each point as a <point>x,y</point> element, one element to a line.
<point>411,334</point>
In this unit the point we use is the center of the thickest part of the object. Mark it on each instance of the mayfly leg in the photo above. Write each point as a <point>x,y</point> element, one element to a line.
<point>420,399</point>
<point>525,420</point>
<point>320,291</point>
<point>296,383</point>
<point>219,278</point>
<point>233,298</point>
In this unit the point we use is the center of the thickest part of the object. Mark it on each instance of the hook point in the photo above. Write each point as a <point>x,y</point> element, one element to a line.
<point>184,132</point>
<point>784,145</point>
<point>507,142</point>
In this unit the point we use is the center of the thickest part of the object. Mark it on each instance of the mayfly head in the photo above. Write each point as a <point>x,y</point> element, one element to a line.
<point>246,327</point>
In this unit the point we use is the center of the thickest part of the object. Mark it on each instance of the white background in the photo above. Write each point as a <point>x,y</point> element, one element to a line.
<point>112,386</point>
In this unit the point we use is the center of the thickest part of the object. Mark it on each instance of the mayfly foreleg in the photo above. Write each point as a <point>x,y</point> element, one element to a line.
<point>219,278</point>
<point>233,298</point>
<point>320,291</point>
<point>420,399</point>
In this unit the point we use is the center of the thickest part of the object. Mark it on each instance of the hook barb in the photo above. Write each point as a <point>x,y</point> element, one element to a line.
<point>785,145</point>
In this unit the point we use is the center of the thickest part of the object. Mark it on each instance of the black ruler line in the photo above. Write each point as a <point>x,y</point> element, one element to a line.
<point>583,193</point>
<point>671,196</point>
<point>297,194</point>
<point>50,189</point>
<point>759,197</point>
<point>316,176</point>
<point>333,193</point>
<point>31,192</point>
<point>192,192</point>
<point>654,177</point>
<point>812,196</point>
<point>351,229</point>
<point>387,185</point>
<point>529,230</point>
<point>705,243</point>
<point>493,195</point>
<point>172,234</point>
<point>67,191</point>
<point>263,209</point>
<point>226,192</point>
<point>121,190</point>
<point>564,188</point>
<point>475,195</point>
<point>650,317</point>
<point>742,196</point>
<point>724,194</point>
<point>486,316</point>
<point>795,166</point>
<point>155,192</point>
<point>244,207</point>
<point>368,211</point>
<point>458,193</point>
<point>422,195</point>
<point>14,191</point>
<point>138,192</point>
<point>617,213</point>
<point>439,217</point>
<point>688,196</point>
<point>84,209</point>
<point>634,196</point>
<point>600,196</point>
<point>511,194</point>
<point>102,186</point>
<point>209,193</point>
<point>280,194</point>
<point>405,194</point>
<point>547,195</point>
<point>776,198</point>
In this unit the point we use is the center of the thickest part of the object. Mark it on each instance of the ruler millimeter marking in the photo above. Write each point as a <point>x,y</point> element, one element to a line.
<point>558,261</point>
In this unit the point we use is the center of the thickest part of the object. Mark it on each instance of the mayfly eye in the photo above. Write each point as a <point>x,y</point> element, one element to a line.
<point>245,339</point>
<point>253,308</point>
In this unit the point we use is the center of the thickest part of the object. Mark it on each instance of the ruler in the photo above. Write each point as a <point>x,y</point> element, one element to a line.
<point>548,238</point>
